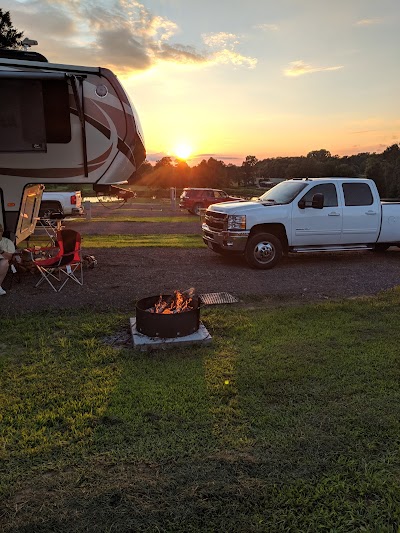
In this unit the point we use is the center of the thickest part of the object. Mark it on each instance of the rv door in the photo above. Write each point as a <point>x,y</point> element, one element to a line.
<point>29,212</point>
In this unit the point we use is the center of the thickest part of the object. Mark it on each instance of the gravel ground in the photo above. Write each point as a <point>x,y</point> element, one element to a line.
<point>124,275</point>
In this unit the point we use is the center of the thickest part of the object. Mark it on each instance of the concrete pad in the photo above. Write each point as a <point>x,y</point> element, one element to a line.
<point>145,343</point>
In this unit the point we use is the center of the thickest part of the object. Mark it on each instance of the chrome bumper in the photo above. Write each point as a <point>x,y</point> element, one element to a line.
<point>234,241</point>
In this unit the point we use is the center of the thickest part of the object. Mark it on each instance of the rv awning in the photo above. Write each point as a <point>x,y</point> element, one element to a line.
<point>24,75</point>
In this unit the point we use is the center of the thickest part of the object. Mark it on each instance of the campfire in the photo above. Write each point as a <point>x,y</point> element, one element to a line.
<point>179,302</point>
<point>169,315</point>
<point>173,319</point>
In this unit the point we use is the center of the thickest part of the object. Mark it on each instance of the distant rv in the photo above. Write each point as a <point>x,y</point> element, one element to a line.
<point>60,124</point>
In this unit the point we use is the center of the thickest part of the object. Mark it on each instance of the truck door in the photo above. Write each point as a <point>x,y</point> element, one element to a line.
<point>317,227</point>
<point>361,214</point>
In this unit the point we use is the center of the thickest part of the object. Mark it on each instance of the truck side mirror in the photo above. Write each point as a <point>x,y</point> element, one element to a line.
<point>302,204</point>
<point>318,201</point>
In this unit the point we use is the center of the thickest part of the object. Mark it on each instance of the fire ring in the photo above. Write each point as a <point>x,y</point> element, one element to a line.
<point>166,326</point>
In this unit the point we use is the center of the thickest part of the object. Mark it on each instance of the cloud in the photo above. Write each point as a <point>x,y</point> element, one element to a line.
<point>267,27</point>
<point>362,131</point>
<point>299,68</point>
<point>368,22</point>
<point>220,40</point>
<point>222,50</point>
<point>123,37</point>
<point>229,57</point>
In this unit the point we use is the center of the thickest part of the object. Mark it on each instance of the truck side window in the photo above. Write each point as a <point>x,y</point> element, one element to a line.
<point>329,192</point>
<point>357,194</point>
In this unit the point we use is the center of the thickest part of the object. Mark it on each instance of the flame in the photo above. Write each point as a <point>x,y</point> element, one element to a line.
<point>179,302</point>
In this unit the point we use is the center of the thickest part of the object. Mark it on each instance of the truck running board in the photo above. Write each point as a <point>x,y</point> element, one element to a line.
<point>335,248</point>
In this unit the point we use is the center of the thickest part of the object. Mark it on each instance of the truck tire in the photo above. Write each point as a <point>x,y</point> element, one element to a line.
<point>263,251</point>
<point>47,208</point>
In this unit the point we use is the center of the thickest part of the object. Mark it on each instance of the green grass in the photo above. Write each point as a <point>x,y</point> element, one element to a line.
<point>122,218</point>
<point>289,421</point>
<point>132,241</point>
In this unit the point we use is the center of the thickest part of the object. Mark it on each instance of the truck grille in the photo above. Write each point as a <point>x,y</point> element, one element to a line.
<point>216,221</point>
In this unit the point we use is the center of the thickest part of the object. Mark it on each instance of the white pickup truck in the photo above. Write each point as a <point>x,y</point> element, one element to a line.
<point>304,215</point>
<point>66,203</point>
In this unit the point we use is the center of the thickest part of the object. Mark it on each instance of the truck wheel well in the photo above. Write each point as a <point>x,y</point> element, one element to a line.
<point>50,206</point>
<point>275,229</point>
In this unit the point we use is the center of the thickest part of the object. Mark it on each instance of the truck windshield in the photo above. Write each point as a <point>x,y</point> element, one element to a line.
<point>283,193</point>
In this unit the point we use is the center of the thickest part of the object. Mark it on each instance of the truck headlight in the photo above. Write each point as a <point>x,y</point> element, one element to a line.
<point>237,222</point>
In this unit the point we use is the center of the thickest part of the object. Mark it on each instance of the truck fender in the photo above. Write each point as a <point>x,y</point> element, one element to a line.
<point>276,229</point>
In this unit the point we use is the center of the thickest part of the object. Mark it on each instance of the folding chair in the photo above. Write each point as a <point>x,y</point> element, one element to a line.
<point>67,261</point>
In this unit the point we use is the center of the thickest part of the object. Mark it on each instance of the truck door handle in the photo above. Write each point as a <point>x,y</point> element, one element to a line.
<point>333,214</point>
<point>370,212</point>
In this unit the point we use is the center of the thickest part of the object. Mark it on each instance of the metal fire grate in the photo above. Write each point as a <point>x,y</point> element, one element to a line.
<point>214,298</point>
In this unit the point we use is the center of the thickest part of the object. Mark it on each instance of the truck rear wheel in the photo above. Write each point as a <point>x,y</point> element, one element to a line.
<point>48,208</point>
<point>263,251</point>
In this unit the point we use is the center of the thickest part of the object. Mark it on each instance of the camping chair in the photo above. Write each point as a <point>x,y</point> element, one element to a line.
<point>66,262</point>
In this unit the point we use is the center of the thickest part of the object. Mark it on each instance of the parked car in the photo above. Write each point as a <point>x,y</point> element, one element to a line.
<point>194,199</point>
<point>265,184</point>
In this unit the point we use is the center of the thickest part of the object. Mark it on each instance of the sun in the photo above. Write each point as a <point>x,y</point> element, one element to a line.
<point>183,151</point>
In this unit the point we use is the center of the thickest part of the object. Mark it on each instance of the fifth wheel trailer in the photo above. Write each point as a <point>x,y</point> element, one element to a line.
<point>60,124</point>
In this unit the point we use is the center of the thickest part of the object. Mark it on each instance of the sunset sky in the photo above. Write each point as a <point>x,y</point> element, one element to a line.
<point>230,78</point>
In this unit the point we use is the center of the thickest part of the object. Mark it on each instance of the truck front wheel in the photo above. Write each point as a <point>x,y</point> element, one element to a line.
<point>263,251</point>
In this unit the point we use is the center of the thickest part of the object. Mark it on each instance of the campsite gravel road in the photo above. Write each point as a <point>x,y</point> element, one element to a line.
<point>126,274</point>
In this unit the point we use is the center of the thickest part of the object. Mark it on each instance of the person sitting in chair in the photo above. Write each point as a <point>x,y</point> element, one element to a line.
<point>7,249</point>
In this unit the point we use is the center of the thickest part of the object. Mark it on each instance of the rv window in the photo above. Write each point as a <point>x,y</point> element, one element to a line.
<point>56,111</point>
<point>22,127</point>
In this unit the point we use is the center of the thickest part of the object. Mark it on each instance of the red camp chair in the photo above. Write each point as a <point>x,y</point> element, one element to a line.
<point>65,265</point>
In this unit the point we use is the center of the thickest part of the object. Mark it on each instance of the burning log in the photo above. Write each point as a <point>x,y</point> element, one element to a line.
<point>179,302</point>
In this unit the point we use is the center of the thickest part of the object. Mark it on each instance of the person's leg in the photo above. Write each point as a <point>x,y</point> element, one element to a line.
<point>3,270</point>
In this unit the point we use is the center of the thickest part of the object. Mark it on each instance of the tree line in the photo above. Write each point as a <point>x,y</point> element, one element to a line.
<point>383,168</point>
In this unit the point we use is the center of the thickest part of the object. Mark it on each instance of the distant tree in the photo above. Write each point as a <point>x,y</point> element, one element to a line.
<point>139,176</point>
<point>218,174</point>
<point>345,170</point>
<point>10,37</point>
<point>163,162</point>
<point>234,174</point>
<point>249,169</point>
<point>181,174</point>
<point>392,153</point>
<point>320,155</point>
<point>163,174</point>
<point>200,176</point>
<point>374,170</point>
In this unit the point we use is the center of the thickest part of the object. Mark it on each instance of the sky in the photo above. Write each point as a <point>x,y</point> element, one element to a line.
<point>231,78</point>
